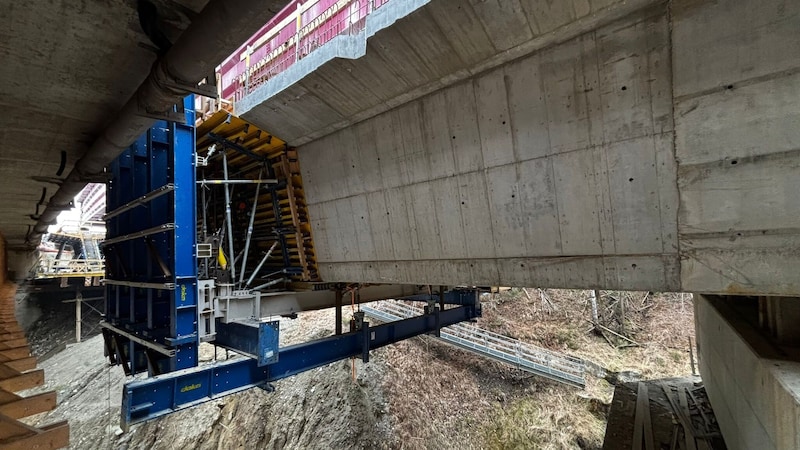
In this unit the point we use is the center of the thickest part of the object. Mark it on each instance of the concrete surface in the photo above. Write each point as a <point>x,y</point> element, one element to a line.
<point>67,67</point>
<point>735,77</point>
<point>536,173</point>
<point>778,318</point>
<point>442,42</point>
<point>636,145</point>
<point>754,386</point>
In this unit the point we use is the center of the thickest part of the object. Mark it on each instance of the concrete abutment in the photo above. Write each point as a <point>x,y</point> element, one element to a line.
<point>753,382</point>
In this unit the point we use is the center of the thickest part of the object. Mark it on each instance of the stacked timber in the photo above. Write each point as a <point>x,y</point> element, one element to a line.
<point>300,241</point>
<point>281,211</point>
<point>18,372</point>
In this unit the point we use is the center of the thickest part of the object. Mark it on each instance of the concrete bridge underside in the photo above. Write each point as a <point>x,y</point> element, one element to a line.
<point>577,144</point>
<point>622,145</point>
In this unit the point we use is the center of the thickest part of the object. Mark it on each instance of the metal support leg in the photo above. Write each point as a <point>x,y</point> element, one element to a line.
<point>365,343</point>
<point>228,218</point>
<point>338,311</point>
<point>258,268</point>
<point>438,331</point>
<point>249,233</point>
<point>78,320</point>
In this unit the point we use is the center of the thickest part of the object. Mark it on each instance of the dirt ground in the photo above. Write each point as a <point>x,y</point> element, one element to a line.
<point>416,394</point>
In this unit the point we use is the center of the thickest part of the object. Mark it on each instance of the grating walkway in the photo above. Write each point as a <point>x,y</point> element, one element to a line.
<point>555,366</point>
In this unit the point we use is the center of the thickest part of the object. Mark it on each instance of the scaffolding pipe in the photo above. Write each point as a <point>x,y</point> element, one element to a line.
<point>228,216</point>
<point>205,221</point>
<point>204,206</point>
<point>258,268</point>
<point>249,234</point>
<point>259,181</point>
<point>193,57</point>
<point>269,283</point>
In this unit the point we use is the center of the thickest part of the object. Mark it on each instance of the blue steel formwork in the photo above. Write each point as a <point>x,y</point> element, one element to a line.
<point>152,291</point>
<point>151,273</point>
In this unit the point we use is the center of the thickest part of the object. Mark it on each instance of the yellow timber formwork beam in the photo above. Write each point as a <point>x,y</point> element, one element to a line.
<point>277,156</point>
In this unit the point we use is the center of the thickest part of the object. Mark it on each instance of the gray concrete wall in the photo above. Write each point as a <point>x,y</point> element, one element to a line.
<point>554,170</point>
<point>736,79</point>
<point>20,263</point>
<point>753,386</point>
<point>441,43</point>
<point>622,145</point>
<point>562,168</point>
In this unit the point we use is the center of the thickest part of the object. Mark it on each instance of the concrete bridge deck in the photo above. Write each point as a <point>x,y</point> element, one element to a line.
<point>624,145</point>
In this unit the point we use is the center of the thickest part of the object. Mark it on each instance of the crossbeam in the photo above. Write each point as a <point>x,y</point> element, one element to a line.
<point>153,397</point>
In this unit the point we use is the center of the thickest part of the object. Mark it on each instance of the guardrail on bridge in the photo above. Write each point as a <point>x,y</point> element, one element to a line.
<point>295,32</point>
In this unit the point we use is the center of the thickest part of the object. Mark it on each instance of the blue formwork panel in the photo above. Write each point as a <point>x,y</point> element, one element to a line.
<point>151,292</point>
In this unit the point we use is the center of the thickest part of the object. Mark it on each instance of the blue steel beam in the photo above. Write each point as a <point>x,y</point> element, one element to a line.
<point>157,396</point>
<point>452,297</point>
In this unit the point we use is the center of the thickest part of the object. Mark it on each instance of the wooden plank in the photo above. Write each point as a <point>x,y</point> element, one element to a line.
<point>10,327</point>
<point>702,444</point>
<point>6,397</point>
<point>674,441</point>
<point>24,381</point>
<point>638,420</point>
<point>647,423</point>
<point>12,335</point>
<point>13,343</point>
<point>10,428</point>
<point>49,438</point>
<point>15,358</point>
<point>22,364</point>
<point>293,210</point>
<point>28,406</point>
<point>688,430</point>
<point>15,354</point>
<point>7,372</point>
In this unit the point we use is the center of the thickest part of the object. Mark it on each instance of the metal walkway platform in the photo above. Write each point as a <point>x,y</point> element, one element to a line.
<point>555,366</point>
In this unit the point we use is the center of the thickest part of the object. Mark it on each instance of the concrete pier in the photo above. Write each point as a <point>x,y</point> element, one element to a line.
<point>752,382</point>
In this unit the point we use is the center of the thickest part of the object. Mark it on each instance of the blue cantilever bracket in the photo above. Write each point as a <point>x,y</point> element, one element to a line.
<point>254,338</point>
<point>454,297</point>
<point>153,397</point>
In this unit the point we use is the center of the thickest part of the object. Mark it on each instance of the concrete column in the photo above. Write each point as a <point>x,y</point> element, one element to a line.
<point>753,383</point>
<point>338,311</point>
<point>20,262</point>
<point>78,319</point>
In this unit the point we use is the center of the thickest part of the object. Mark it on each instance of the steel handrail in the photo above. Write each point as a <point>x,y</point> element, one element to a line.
<point>297,31</point>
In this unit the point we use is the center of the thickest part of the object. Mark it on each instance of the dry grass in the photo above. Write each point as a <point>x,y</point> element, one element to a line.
<point>442,397</point>
<point>553,419</point>
<point>436,393</point>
